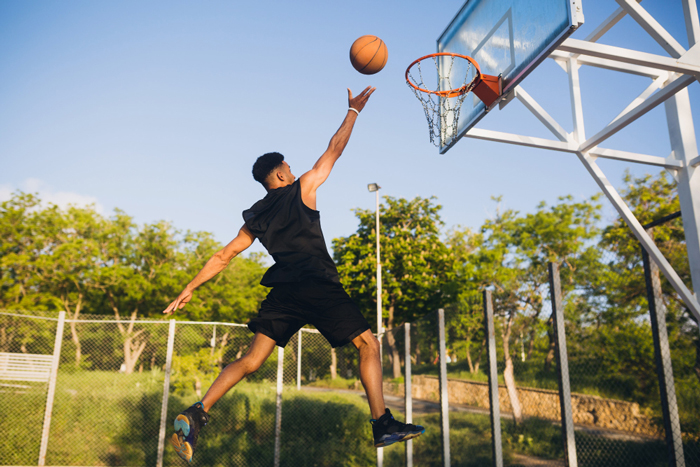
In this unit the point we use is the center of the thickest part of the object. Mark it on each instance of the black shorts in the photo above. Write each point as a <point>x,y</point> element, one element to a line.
<point>326,305</point>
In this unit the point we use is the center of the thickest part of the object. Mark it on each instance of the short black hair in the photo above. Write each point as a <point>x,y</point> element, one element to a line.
<point>265,165</point>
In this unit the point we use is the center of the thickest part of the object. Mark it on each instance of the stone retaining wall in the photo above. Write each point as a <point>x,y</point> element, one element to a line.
<point>591,411</point>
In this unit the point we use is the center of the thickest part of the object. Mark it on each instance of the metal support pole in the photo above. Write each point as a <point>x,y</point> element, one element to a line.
<point>166,391</point>
<point>444,403</point>
<point>278,412</point>
<point>52,388</point>
<point>684,146</point>
<point>494,406</point>
<point>299,361</point>
<point>380,330</point>
<point>567,419</point>
<point>408,395</point>
<point>664,368</point>
<point>379,275</point>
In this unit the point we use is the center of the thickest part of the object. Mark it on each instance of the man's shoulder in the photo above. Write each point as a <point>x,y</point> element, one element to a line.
<point>271,198</point>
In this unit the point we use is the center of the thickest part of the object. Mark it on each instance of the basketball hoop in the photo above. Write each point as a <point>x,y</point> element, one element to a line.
<point>442,106</point>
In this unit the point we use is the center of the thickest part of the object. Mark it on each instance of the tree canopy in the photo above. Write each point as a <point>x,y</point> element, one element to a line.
<point>80,261</point>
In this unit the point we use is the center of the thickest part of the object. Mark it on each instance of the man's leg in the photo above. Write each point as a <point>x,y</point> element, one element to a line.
<point>371,371</point>
<point>385,429</point>
<point>260,349</point>
<point>189,422</point>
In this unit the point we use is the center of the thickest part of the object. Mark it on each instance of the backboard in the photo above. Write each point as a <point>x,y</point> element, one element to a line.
<point>507,38</point>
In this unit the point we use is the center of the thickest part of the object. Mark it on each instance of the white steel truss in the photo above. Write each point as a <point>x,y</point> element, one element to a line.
<point>670,76</point>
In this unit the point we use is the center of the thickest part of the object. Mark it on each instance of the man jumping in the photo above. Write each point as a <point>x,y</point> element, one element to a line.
<point>305,288</point>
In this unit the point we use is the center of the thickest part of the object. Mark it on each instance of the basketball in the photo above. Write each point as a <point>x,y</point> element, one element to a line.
<point>368,55</point>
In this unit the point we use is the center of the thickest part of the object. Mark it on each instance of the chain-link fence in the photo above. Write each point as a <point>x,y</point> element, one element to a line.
<point>115,390</point>
<point>24,396</point>
<point>503,390</point>
<point>586,392</point>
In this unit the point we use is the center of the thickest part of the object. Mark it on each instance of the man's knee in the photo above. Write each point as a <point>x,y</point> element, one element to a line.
<point>366,342</point>
<point>251,364</point>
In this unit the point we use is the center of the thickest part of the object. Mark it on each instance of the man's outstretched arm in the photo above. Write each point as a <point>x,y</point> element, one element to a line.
<point>214,266</point>
<point>312,179</point>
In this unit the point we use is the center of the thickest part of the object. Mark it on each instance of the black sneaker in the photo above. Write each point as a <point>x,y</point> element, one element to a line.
<point>388,431</point>
<point>187,426</point>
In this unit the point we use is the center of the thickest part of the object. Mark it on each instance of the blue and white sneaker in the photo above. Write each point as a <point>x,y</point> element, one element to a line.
<point>187,426</point>
<point>388,431</point>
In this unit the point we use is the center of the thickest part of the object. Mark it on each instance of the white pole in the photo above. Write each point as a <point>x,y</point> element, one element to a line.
<point>444,404</point>
<point>408,396</point>
<point>166,392</point>
<point>379,279</point>
<point>52,387</point>
<point>299,361</point>
<point>683,143</point>
<point>278,412</point>
<point>380,451</point>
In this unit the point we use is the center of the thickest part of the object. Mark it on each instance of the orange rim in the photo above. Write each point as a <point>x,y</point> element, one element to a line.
<point>450,92</point>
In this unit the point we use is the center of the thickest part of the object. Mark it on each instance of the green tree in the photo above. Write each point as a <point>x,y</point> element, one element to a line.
<point>650,198</point>
<point>464,319</point>
<point>76,260</point>
<point>561,234</point>
<point>511,255</point>
<point>22,241</point>
<point>416,264</point>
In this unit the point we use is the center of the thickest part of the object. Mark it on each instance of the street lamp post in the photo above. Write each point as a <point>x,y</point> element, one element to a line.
<point>375,188</point>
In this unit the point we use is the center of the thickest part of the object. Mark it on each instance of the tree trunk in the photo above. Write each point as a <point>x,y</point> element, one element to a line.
<point>73,327</point>
<point>222,349</point>
<point>469,357</point>
<point>478,356</point>
<point>334,364</point>
<point>508,375</point>
<point>393,348</point>
<point>6,337</point>
<point>552,345</point>
<point>133,346</point>
<point>197,387</point>
<point>132,351</point>
<point>531,345</point>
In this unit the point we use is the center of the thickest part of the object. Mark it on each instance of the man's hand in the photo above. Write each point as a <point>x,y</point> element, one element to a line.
<point>358,103</point>
<point>180,302</point>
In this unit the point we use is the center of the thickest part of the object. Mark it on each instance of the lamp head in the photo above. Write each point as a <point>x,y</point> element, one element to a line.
<point>373,187</point>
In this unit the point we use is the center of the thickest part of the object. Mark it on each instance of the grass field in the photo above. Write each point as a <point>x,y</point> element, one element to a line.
<point>108,418</point>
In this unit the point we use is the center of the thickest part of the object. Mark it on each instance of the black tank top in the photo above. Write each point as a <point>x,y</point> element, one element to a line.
<point>291,233</point>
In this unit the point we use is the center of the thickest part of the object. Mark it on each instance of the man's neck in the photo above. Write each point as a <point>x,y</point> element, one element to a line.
<point>276,185</point>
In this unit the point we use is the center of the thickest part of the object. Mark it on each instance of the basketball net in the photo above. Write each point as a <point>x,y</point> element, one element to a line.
<point>443,105</point>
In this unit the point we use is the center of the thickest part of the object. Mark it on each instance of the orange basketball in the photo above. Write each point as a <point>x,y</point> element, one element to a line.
<point>368,54</point>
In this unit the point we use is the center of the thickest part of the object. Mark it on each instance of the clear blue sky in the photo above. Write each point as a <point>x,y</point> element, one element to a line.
<point>160,108</point>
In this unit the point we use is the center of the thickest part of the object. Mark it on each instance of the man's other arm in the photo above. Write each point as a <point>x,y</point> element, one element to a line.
<point>214,266</point>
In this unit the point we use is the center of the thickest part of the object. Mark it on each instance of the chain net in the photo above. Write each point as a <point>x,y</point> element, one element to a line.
<point>442,113</point>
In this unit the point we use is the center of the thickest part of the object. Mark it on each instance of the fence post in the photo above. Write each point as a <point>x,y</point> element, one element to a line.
<point>166,392</point>
<point>278,412</point>
<point>664,368</point>
<point>444,403</point>
<point>567,419</point>
<point>52,388</point>
<point>494,406</point>
<point>299,361</point>
<point>408,395</point>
